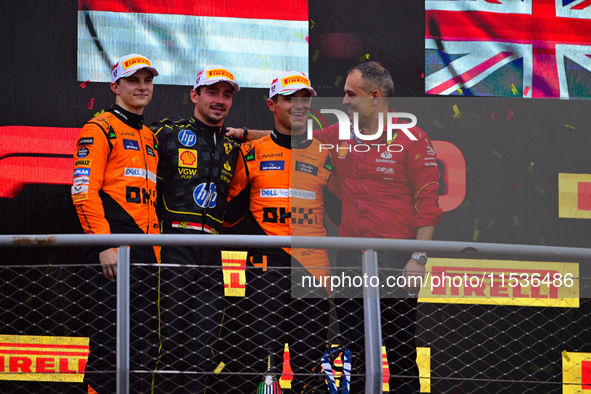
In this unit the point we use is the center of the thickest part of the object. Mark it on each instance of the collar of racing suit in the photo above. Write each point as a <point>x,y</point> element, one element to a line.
<point>129,118</point>
<point>202,127</point>
<point>299,141</point>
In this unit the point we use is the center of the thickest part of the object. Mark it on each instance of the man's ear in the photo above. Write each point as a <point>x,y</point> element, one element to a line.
<point>271,105</point>
<point>194,96</point>
<point>115,88</point>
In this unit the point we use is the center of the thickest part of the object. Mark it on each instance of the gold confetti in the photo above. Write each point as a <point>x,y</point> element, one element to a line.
<point>474,116</point>
<point>99,112</point>
<point>514,90</point>
<point>475,235</point>
<point>338,81</point>
<point>311,27</point>
<point>496,154</point>
<point>298,35</point>
<point>565,355</point>
<point>186,99</point>
<point>516,220</point>
<point>220,367</point>
<point>315,55</point>
<point>460,91</point>
<point>457,113</point>
<point>465,204</point>
<point>438,124</point>
<point>530,169</point>
<point>539,189</point>
<point>490,225</point>
<point>569,126</point>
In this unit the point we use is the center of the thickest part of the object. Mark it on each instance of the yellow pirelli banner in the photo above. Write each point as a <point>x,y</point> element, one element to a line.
<point>501,282</point>
<point>43,358</point>
<point>574,196</point>
<point>576,372</point>
<point>233,268</point>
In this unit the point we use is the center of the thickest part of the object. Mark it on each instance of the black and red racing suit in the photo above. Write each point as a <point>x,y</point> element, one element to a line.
<point>196,165</point>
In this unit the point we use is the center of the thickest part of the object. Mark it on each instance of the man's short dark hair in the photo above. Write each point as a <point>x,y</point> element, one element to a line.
<point>375,77</point>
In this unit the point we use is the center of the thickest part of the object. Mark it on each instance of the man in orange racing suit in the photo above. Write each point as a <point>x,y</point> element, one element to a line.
<point>114,191</point>
<point>283,177</point>
<point>197,161</point>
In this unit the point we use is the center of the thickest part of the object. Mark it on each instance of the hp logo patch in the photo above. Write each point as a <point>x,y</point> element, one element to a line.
<point>206,197</point>
<point>187,138</point>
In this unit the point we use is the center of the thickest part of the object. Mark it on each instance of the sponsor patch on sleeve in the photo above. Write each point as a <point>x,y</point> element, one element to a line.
<point>81,180</point>
<point>79,197</point>
<point>77,189</point>
<point>82,152</point>
<point>81,163</point>
<point>81,171</point>
<point>150,151</point>
<point>86,141</point>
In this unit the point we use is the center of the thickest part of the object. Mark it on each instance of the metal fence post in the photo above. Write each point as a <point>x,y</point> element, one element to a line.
<point>123,320</point>
<point>373,324</point>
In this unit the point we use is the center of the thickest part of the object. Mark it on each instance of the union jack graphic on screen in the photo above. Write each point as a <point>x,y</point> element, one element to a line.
<point>515,48</point>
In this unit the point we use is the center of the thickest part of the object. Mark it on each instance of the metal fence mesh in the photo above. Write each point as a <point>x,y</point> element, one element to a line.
<point>463,348</point>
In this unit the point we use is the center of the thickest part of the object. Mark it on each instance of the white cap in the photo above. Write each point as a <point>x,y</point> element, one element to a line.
<point>290,82</point>
<point>214,74</point>
<point>129,64</point>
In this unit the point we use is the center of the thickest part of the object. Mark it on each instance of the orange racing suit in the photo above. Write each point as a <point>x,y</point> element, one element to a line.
<point>282,181</point>
<point>114,191</point>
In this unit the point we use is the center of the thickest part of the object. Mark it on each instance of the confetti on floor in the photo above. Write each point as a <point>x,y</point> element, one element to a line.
<point>540,189</point>
<point>84,84</point>
<point>438,124</point>
<point>338,81</point>
<point>490,225</point>
<point>516,220</point>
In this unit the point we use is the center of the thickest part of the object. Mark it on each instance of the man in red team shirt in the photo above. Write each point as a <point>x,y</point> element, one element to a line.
<point>390,192</point>
<point>385,193</point>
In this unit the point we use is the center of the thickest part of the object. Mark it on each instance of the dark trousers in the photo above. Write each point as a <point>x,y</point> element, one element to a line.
<point>191,309</point>
<point>101,367</point>
<point>271,316</point>
<point>398,318</point>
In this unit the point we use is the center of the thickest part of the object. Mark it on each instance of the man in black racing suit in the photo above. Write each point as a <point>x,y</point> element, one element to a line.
<point>197,161</point>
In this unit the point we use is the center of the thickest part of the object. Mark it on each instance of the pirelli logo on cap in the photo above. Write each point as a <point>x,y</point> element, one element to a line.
<point>43,358</point>
<point>295,79</point>
<point>220,72</point>
<point>135,60</point>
